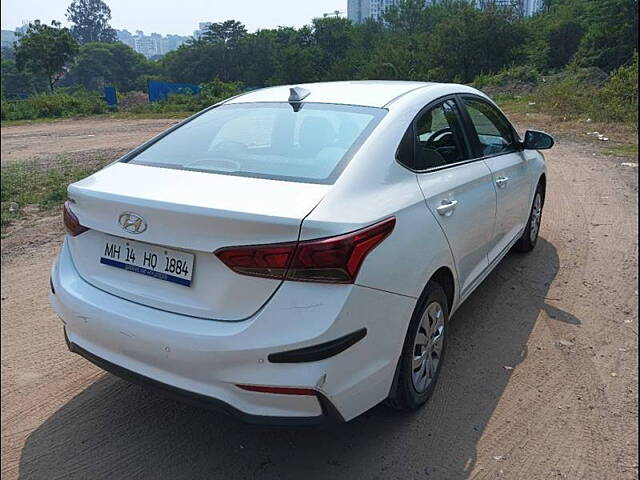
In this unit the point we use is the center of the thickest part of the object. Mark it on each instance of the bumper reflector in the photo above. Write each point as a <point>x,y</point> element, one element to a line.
<point>278,390</point>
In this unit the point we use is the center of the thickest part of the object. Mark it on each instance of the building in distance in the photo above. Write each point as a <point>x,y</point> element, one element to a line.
<point>150,45</point>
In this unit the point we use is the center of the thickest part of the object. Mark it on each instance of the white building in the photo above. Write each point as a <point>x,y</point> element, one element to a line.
<point>530,7</point>
<point>360,10</point>
<point>150,45</point>
<point>202,27</point>
<point>526,8</point>
<point>8,37</point>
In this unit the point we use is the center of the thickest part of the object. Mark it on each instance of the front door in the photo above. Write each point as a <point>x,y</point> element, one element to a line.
<point>494,139</point>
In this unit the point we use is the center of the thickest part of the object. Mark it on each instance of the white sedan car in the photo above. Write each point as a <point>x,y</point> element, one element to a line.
<point>294,254</point>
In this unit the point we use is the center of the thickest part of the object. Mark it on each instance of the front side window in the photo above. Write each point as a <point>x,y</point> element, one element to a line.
<point>266,140</point>
<point>438,137</point>
<point>494,135</point>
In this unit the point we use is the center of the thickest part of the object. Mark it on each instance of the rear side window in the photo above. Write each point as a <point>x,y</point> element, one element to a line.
<point>435,140</point>
<point>267,140</point>
<point>493,133</point>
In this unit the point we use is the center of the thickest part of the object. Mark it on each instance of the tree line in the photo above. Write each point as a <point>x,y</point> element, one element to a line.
<point>451,41</point>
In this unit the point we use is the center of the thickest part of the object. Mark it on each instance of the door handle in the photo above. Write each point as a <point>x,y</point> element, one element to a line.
<point>447,207</point>
<point>501,182</point>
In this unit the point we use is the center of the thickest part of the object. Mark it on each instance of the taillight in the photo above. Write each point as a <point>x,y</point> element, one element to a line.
<point>334,260</point>
<point>71,222</point>
<point>260,260</point>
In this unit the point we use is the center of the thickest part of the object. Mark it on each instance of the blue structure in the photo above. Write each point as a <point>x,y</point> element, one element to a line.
<point>110,97</point>
<point>159,91</point>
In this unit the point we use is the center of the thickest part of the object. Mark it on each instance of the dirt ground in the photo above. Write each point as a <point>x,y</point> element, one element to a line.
<point>540,380</point>
<point>81,139</point>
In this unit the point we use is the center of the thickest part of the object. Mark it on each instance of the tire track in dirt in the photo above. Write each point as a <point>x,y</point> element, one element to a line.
<point>587,451</point>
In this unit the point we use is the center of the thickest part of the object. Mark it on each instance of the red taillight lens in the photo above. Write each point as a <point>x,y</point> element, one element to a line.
<point>71,222</point>
<point>335,260</point>
<point>259,260</point>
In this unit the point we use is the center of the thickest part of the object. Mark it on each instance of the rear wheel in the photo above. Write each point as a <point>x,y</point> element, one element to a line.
<point>423,351</point>
<point>530,235</point>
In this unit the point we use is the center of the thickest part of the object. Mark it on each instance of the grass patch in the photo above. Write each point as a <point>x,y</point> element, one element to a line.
<point>516,103</point>
<point>623,150</point>
<point>26,183</point>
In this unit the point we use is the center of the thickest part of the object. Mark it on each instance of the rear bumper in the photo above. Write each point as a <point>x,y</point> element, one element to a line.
<point>204,361</point>
<point>329,414</point>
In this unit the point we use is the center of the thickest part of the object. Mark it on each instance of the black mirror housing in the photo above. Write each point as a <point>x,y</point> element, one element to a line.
<point>535,140</point>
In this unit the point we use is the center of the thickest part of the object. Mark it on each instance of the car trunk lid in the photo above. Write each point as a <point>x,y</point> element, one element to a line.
<point>188,213</point>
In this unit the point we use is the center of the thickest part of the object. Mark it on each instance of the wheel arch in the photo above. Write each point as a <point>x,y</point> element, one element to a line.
<point>543,184</point>
<point>444,277</point>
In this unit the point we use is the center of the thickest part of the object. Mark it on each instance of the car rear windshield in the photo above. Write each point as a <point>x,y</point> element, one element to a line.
<point>267,140</point>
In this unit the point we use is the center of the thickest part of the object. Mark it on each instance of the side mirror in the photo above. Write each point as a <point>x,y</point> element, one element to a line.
<point>535,140</point>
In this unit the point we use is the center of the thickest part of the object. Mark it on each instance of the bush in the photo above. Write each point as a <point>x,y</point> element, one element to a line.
<point>509,77</point>
<point>620,93</point>
<point>210,94</point>
<point>130,100</point>
<point>53,105</point>
<point>565,95</point>
<point>586,92</point>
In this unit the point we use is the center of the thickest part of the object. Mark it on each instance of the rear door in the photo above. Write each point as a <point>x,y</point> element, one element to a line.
<point>495,141</point>
<point>458,190</point>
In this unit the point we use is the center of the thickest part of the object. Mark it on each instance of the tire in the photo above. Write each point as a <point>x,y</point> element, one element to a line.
<point>416,379</point>
<point>529,238</point>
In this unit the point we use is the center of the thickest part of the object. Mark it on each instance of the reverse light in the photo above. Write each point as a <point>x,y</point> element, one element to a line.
<point>71,222</point>
<point>332,260</point>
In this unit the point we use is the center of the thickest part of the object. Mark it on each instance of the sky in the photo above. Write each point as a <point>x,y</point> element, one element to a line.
<point>178,16</point>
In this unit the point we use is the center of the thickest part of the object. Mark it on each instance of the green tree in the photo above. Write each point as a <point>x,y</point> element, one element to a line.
<point>469,41</point>
<point>333,38</point>
<point>226,36</point>
<point>16,84</point>
<point>612,34</point>
<point>195,62</point>
<point>553,36</point>
<point>45,51</point>
<point>229,31</point>
<point>449,40</point>
<point>90,19</point>
<point>563,39</point>
<point>99,64</point>
<point>257,53</point>
<point>296,57</point>
<point>406,16</point>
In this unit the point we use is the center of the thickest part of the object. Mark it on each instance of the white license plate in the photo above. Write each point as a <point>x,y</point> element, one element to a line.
<point>151,260</point>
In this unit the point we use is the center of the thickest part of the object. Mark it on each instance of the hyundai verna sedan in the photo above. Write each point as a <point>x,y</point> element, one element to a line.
<point>294,254</point>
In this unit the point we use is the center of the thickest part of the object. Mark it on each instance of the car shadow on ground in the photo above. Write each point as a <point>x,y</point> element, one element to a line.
<point>114,429</point>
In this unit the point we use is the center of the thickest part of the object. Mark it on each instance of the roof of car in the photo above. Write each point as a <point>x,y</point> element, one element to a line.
<point>367,93</point>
